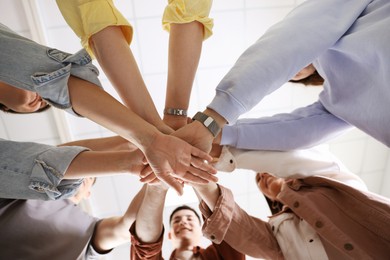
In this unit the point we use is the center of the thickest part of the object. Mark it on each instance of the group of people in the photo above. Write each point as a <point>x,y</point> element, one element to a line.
<point>323,210</point>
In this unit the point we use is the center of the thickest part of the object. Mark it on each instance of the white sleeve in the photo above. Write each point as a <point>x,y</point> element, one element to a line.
<point>291,164</point>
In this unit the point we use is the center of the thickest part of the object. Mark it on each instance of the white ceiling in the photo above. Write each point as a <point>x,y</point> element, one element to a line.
<point>238,23</point>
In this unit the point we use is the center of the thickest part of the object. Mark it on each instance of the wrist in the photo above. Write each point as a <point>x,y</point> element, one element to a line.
<point>175,122</point>
<point>209,122</point>
<point>160,188</point>
<point>175,111</point>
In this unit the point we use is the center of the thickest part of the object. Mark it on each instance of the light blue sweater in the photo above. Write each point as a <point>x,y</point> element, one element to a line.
<point>348,41</point>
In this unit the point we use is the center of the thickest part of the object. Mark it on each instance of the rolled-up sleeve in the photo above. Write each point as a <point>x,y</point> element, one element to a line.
<point>186,11</point>
<point>140,250</point>
<point>88,17</point>
<point>217,222</point>
<point>36,171</point>
<point>246,234</point>
<point>53,86</point>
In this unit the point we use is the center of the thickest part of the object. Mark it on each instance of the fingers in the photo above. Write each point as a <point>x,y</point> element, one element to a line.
<point>171,182</point>
<point>147,170</point>
<point>200,154</point>
<point>191,178</point>
<point>149,178</point>
<point>203,165</point>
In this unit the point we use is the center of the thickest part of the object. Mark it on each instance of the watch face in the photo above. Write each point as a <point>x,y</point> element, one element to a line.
<point>208,121</point>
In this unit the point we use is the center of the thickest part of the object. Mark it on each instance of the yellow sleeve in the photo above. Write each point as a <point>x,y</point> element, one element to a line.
<point>87,17</point>
<point>186,11</point>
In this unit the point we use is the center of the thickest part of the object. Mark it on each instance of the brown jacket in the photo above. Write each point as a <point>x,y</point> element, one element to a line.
<point>352,224</point>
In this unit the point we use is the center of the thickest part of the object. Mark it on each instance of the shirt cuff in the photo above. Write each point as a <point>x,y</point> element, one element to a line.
<point>145,250</point>
<point>226,161</point>
<point>186,11</point>
<point>218,221</point>
<point>49,170</point>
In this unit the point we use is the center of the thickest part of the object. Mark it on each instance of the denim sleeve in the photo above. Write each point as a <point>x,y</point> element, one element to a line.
<point>41,69</point>
<point>35,171</point>
<point>304,127</point>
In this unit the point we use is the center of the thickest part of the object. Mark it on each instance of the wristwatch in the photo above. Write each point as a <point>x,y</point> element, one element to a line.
<point>175,112</point>
<point>208,122</point>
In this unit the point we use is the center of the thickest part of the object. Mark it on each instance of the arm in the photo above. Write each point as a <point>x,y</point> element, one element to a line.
<point>92,163</point>
<point>269,63</point>
<point>117,61</point>
<point>290,164</point>
<point>149,222</point>
<point>112,143</point>
<point>112,232</point>
<point>226,221</point>
<point>280,132</point>
<point>37,171</point>
<point>302,128</point>
<point>185,45</point>
<point>105,33</point>
<point>189,24</point>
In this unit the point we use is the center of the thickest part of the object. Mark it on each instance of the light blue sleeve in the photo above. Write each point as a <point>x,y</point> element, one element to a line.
<point>286,48</point>
<point>35,171</point>
<point>43,70</point>
<point>302,128</point>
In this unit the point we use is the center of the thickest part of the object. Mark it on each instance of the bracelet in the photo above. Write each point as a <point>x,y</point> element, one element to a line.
<point>175,112</point>
<point>208,122</point>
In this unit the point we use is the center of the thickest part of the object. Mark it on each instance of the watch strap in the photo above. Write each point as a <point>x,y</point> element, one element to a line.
<point>208,122</point>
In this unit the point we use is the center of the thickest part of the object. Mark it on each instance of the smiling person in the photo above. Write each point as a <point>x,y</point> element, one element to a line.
<point>33,75</point>
<point>326,211</point>
<point>185,232</point>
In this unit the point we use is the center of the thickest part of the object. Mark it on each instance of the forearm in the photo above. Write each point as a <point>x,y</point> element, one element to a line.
<point>113,143</point>
<point>112,232</point>
<point>185,45</point>
<point>149,220</point>
<point>116,59</point>
<point>209,193</point>
<point>97,105</point>
<point>92,163</point>
<point>229,223</point>
<point>285,131</point>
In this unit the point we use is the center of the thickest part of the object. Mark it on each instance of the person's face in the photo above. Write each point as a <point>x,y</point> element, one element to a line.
<point>20,100</point>
<point>85,189</point>
<point>185,226</point>
<point>305,72</point>
<point>269,185</point>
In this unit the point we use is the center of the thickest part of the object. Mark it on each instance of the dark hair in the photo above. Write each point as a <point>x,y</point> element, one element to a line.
<point>7,110</point>
<point>313,80</point>
<point>182,208</point>
<point>274,206</point>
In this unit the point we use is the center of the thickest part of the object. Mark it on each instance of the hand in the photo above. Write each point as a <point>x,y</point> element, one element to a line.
<point>216,151</point>
<point>136,162</point>
<point>170,158</point>
<point>197,135</point>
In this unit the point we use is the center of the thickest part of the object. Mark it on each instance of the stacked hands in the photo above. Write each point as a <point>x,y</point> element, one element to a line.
<point>187,161</point>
